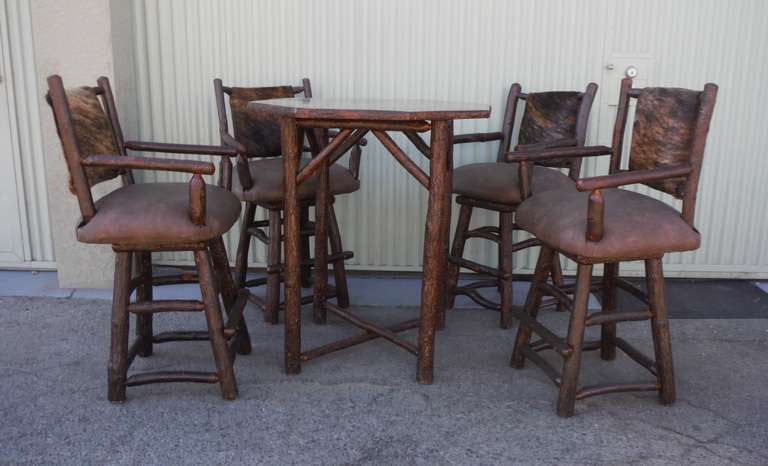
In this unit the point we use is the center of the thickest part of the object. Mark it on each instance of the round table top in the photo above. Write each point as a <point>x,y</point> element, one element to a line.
<point>371,109</point>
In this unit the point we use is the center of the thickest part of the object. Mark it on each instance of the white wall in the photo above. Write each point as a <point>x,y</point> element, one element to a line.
<point>472,51</point>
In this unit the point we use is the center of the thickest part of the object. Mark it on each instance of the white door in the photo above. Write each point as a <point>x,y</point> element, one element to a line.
<point>11,209</point>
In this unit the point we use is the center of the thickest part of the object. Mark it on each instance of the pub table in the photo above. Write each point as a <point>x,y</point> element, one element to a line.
<point>354,119</point>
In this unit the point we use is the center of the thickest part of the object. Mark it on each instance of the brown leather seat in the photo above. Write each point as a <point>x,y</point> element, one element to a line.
<point>157,214</point>
<point>636,226</point>
<point>498,182</point>
<point>267,175</point>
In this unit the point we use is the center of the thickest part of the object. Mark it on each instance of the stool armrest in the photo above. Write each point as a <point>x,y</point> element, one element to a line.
<point>564,142</point>
<point>477,137</point>
<point>149,163</point>
<point>626,177</point>
<point>144,146</point>
<point>596,203</point>
<point>556,153</point>
<point>196,184</point>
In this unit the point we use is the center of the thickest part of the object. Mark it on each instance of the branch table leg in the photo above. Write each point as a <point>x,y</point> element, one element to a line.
<point>435,246</point>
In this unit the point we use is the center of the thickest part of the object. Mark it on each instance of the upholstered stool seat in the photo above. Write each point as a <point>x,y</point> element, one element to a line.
<point>499,182</point>
<point>635,225</point>
<point>267,176</point>
<point>158,214</point>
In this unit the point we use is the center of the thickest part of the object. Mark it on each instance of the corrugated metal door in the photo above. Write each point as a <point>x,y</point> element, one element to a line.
<point>472,51</point>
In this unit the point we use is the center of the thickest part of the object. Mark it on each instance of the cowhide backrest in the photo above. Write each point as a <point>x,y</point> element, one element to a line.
<point>258,131</point>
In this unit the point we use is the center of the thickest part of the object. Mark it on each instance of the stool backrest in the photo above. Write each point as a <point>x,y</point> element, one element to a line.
<point>258,132</point>
<point>549,117</point>
<point>669,130</point>
<point>86,121</point>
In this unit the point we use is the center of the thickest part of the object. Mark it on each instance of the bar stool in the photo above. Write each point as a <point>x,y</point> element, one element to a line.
<point>551,119</point>
<point>258,181</point>
<point>137,219</point>
<point>604,225</point>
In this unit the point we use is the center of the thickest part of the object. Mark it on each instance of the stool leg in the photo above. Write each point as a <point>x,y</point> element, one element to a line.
<point>117,371</point>
<point>144,294</point>
<point>457,250</point>
<point>229,292</point>
<point>213,318</point>
<point>244,244</point>
<point>608,331</point>
<point>570,378</point>
<point>306,270</point>
<point>557,277</point>
<point>532,303</point>
<point>662,345</point>
<point>339,269</point>
<point>506,225</point>
<point>272,307</point>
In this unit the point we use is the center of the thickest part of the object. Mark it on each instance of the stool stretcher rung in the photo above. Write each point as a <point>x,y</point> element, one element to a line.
<point>594,390</point>
<point>637,356</point>
<point>330,293</point>
<point>146,378</point>
<point>356,340</point>
<point>558,294</point>
<point>166,305</point>
<point>557,343</point>
<point>489,233</point>
<point>541,345</point>
<point>633,290</point>
<point>475,267</point>
<point>528,243</point>
<point>190,335</point>
<point>475,296</point>
<point>545,366</point>
<point>595,285</point>
<point>365,325</point>
<point>599,318</point>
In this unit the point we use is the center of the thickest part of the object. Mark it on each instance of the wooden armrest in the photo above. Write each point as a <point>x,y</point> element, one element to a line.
<point>148,163</point>
<point>477,137</point>
<point>565,142</point>
<point>556,153</point>
<point>180,148</point>
<point>229,141</point>
<point>631,177</point>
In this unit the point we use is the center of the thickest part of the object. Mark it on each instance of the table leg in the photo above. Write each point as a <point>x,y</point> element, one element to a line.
<point>291,146</point>
<point>435,246</point>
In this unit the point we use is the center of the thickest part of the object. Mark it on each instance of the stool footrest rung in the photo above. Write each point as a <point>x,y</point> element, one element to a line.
<point>594,390</point>
<point>145,378</point>
<point>599,318</point>
<point>166,305</point>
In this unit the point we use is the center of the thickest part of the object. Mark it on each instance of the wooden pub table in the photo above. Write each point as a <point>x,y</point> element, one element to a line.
<point>354,119</point>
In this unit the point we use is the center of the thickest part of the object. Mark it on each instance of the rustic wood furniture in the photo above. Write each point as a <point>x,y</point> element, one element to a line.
<point>137,219</point>
<point>258,181</point>
<point>551,119</point>
<point>605,225</point>
<point>355,118</point>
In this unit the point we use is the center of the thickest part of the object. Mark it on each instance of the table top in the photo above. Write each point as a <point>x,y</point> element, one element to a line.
<point>371,109</point>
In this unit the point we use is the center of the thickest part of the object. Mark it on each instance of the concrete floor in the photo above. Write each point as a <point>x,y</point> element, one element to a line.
<point>362,406</point>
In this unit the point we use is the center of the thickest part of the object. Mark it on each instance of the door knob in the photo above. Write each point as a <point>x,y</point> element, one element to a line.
<point>631,71</point>
<point>609,66</point>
